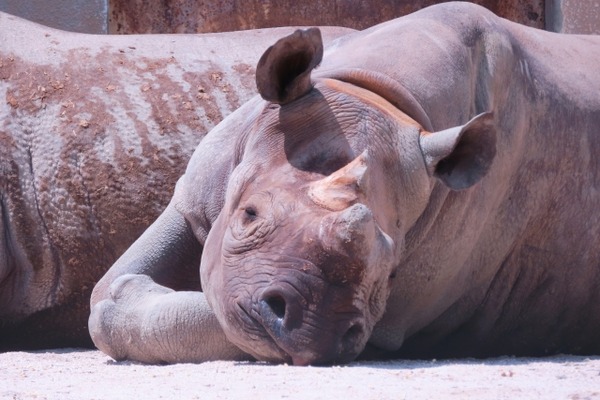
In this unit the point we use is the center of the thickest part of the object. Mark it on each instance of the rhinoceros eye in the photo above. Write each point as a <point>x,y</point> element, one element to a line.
<point>250,213</point>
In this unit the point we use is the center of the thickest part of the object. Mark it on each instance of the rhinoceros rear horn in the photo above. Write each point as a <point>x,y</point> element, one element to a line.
<point>341,189</point>
<point>283,71</point>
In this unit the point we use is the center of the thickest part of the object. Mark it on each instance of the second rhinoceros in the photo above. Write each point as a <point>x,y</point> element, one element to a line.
<point>94,133</point>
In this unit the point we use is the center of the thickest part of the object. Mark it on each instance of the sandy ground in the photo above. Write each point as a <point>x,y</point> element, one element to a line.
<point>84,374</point>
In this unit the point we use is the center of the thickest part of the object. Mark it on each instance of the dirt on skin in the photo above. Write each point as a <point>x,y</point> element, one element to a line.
<point>83,374</point>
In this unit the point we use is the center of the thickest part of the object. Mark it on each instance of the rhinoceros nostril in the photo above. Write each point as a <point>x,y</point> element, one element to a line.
<point>352,335</point>
<point>280,308</point>
<point>276,304</point>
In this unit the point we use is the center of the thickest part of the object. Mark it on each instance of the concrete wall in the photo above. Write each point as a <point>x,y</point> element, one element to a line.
<point>89,16</point>
<point>573,16</point>
<point>192,16</point>
<point>164,16</point>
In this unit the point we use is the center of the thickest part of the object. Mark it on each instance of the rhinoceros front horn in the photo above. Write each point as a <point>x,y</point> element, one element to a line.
<point>283,71</point>
<point>350,233</point>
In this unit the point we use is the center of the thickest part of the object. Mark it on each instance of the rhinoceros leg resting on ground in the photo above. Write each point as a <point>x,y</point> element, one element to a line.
<point>145,321</point>
<point>133,313</point>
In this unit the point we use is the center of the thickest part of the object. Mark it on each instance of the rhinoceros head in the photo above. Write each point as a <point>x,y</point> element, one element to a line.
<point>298,264</point>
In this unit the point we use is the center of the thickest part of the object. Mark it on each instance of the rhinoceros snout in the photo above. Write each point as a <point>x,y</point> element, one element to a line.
<point>306,337</point>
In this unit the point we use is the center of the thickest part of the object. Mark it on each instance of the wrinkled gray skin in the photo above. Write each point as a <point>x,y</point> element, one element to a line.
<point>432,190</point>
<point>94,133</point>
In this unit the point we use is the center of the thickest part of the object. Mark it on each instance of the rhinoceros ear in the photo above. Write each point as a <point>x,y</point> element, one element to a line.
<point>283,71</point>
<point>461,156</point>
<point>341,189</point>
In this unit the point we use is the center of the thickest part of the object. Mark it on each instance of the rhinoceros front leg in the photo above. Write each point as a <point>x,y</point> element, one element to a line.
<point>134,317</point>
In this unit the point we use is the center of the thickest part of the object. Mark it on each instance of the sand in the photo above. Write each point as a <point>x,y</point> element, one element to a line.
<point>86,374</point>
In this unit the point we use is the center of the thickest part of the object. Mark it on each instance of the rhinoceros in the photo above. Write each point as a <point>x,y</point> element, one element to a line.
<point>432,189</point>
<point>94,133</point>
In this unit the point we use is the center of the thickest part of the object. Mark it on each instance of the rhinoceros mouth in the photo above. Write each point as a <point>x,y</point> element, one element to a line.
<point>296,316</point>
<point>254,338</point>
<point>267,341</point>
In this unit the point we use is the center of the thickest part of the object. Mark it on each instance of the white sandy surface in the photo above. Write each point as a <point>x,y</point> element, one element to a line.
<point>84,374</point>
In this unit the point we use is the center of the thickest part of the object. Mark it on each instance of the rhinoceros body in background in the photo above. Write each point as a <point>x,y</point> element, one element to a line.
<point>432,190</point>
<point>94,132</point>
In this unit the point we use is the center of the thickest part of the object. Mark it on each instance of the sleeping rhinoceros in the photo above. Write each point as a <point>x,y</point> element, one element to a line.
<point>431,190</point>
<point>94,132</point>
